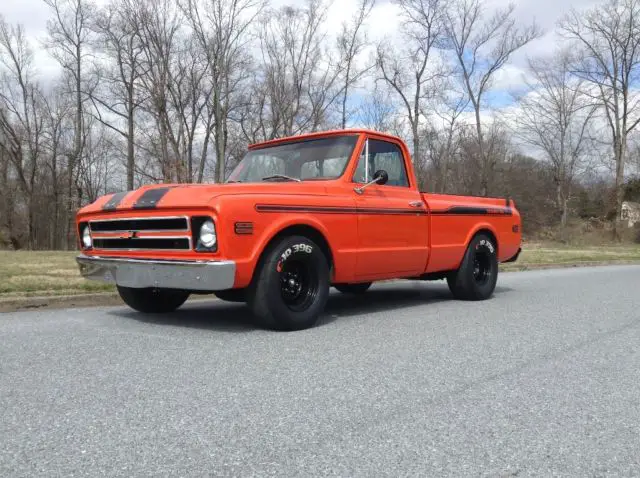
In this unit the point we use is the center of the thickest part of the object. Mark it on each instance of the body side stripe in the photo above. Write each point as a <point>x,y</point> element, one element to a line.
<point>453,211</point>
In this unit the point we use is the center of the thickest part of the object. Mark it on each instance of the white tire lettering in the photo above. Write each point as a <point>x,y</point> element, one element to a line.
<point>303,247</point>
<point>296,248</point>
<point>488,245</point>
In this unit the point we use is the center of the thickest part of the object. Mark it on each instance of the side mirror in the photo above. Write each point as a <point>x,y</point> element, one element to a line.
<point>379,177</point>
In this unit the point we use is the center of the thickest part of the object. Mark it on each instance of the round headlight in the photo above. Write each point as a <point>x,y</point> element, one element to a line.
<point>86,237</point>
<point>208,234</point>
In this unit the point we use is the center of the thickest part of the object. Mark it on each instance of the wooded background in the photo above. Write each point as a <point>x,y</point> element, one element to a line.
<point>174,90</point>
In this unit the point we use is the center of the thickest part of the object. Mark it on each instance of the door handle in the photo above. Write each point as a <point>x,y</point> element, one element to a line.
<point>415,203</point>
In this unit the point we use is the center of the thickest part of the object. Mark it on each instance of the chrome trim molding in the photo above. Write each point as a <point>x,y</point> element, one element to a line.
<point>130,249</point>
<point>138,218</point>
<point>147,218</point>
<point>147,234</point>
<point>170,274</point>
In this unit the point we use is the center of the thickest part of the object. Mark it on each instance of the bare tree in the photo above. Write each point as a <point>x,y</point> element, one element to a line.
<point>608,37</point>
<point>21,118</point>
<point>222,29</point>
<point>351,43</point>
<point>555,118</point>
<point>159,25</point>
<point>442,132</point>
<point>59,111</point>
<point>299,81</point>
<point>482,46</point>
<point>69,38</point>
<point>414,74</point>
<point>97,168</point>
<point>377,111</point>
<point>191,92</point>
<point>118,94</point>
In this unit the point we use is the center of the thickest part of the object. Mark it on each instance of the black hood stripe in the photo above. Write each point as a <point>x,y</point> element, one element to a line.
<point>113,203</point>
<point>150,198</point>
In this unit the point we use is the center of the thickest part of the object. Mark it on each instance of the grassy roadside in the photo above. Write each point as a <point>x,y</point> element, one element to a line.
<point>537,255</point>
<point>43,273</point>
<point>25,274</point>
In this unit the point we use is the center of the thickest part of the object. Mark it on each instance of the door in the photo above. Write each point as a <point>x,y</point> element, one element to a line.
<point>393,234</point>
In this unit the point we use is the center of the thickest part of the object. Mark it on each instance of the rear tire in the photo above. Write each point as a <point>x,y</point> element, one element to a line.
<point>152,300</point>
<point>354,289</point>
<point>291,284</point>
<point>478,273</point>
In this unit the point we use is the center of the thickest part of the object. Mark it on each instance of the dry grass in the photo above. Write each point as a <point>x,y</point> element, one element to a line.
<point>536,254</point>
<point>46,273</point>
<point>29,274</point>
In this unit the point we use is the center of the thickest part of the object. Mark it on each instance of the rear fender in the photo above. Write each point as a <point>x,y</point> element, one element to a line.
<point>479,227</point>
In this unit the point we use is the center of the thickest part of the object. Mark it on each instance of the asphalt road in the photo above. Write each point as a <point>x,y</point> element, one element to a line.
<point>541,380</point>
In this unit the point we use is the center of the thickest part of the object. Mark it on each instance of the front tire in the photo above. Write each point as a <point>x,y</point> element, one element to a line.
<point>478,273</point>
<point>152,300</point>
<point>291,285</point>
<point>354,289</point>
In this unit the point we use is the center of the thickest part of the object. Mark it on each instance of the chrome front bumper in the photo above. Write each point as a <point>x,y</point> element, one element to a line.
<point>140,273</point>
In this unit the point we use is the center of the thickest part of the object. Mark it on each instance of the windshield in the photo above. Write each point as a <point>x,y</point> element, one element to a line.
<point>311,159</point>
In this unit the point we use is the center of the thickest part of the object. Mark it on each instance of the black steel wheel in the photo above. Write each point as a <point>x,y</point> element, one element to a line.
<point>291,284</point>
<point>298,285</point>
<point>482,266</point>
<point>478,273</point>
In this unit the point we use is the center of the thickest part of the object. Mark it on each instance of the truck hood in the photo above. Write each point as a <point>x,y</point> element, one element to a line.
<point>170,196</point>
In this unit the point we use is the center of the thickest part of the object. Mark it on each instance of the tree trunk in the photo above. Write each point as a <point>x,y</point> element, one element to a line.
<point>416,154</point>
<point>620,153</point>
<point>221,143</point>
<point>484,180</point>
<point>130,147</point>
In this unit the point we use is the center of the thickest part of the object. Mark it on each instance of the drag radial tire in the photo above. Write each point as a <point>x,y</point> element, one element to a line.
<point>291,284</point>
<point>152,300</point>
<point>476,278</point>
<point>354,289</point>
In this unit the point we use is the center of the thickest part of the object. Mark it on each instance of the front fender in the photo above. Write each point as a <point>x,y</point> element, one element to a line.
<point>280,224</point>
<point>338,230</point>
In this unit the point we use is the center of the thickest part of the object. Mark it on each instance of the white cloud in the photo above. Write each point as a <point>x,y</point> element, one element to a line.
<point>382,25</point>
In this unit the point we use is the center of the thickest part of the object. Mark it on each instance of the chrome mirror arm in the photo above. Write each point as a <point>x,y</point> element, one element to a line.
<point>360,189</point>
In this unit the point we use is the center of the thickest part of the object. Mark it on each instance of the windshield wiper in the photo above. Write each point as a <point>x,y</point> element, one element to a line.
<point>281,176</point>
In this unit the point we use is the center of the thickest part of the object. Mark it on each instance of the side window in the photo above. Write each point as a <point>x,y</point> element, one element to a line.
<point>382,155</point>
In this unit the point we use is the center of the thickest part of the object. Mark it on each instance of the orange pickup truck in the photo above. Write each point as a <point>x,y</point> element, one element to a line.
<point>297,216</point>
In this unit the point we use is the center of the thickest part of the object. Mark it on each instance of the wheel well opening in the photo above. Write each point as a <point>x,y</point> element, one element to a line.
<point>491,235</point>
<point>307,231</point>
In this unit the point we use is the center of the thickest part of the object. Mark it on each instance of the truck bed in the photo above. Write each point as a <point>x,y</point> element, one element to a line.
<point>455,218</point>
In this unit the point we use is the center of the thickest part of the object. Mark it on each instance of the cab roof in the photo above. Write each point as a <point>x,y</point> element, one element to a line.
<point>322,134</point>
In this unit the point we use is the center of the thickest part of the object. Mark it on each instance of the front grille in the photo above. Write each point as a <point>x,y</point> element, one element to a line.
<point>141,233</point>
<point>141,224</point>
<point>164,243</point>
